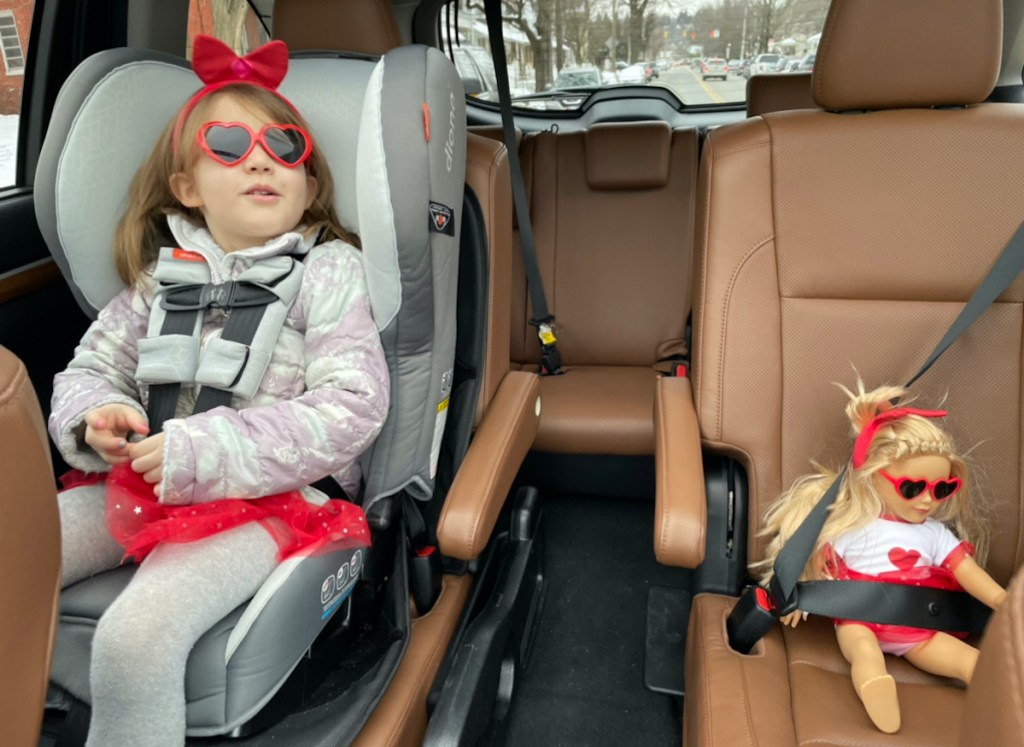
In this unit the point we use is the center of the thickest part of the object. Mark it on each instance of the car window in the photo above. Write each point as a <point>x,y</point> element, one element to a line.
<point>636,43</point>
<point>15,22</point>
<point>234,22</point>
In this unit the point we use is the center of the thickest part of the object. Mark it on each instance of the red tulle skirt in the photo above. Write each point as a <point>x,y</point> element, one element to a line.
<point>139,522</point>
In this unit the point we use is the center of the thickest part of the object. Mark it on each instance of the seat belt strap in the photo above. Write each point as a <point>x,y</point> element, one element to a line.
<point>241,327</point>
<point>794,555</point>
<point>749,620</point>
<point>543,320</point>
<point>163,398</point>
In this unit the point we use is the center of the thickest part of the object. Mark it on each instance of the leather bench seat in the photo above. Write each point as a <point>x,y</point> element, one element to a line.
<point>794,689</point>
<point>612,211</point>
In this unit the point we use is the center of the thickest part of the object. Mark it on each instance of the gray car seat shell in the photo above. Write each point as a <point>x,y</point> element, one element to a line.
<point>371,119</point>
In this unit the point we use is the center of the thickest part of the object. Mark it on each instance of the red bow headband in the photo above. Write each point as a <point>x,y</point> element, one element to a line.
<point>863,443</point>
<point>217,66</point>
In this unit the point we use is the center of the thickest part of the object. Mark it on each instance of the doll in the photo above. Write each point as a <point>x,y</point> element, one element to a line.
<point>903,515</point>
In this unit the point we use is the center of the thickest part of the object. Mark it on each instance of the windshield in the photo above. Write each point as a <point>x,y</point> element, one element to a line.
<point>556,46</point>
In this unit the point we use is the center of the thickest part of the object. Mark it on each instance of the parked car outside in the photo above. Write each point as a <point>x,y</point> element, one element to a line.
<point>806,65</point>
<point>571,78</point>
<point>764,63</point>
<point>714,67</point>
<point>633,75</point>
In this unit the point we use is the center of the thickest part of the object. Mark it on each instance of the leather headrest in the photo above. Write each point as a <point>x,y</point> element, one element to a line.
<point>778,93</point>
<point>628,156</point>
<point>910,53</point>
<point>366,26</point>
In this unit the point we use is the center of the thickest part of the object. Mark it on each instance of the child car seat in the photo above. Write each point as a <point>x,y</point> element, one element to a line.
<point>370,118</point>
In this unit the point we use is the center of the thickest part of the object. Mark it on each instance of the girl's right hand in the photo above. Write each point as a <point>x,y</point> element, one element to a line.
<point>107,429</point>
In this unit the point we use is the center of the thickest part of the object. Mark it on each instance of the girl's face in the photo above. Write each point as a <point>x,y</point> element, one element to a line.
<point>925,468</point>
<point>251,202</point>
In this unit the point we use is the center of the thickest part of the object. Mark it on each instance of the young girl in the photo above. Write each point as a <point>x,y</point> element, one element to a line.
<point>893,521</point>
<point>235,184</point>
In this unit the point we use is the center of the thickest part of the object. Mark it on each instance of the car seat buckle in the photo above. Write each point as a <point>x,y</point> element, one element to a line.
<point>424,576</point>
<point>751,618</point>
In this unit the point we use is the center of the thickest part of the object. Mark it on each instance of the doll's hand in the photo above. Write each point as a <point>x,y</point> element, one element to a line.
<point>793,618</point>
<point>107,429</point>
<point>148,460</point>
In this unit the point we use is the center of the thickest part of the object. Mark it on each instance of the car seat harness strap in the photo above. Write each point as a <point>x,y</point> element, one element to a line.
<point>543,320</point>
<point>231,364</point>
<point>938,609</point>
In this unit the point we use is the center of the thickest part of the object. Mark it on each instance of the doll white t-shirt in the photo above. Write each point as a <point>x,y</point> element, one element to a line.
<point>889,545</point>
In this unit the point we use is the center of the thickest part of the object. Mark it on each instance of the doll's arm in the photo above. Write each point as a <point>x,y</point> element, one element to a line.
<point>978,583</point>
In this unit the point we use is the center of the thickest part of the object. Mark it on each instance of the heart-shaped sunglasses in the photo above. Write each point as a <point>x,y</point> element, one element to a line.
<point>910,488</point>
<point>229,143</point>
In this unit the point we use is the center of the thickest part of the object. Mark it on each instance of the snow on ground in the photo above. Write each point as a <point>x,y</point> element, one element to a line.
<point>8,148</point>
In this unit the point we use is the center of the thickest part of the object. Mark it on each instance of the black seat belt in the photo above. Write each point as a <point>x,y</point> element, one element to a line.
<point>247,303</point>
<point>919,607</point>
<point>543,320</point>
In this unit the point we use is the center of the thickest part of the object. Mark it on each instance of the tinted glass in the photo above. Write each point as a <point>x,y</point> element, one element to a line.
<point>637,43</point>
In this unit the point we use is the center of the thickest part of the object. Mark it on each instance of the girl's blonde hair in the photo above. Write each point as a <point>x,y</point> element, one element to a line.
<point>142,229</point>
<point>858,501</point>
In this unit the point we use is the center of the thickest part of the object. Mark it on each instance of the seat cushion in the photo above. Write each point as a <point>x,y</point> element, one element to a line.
<point>598,410</point>
<point>794,689</point>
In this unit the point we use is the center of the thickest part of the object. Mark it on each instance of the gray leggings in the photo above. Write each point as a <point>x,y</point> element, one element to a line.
<point>143,640</point>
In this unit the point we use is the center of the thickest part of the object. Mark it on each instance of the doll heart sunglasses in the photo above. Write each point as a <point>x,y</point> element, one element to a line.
<point>910,488</point>
<point>230,143</point>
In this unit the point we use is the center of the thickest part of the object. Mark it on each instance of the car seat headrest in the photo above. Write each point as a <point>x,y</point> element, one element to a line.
<point>367,26</point>
<point>913,53</point>
<point>393,133</point>
<point>632,155</point>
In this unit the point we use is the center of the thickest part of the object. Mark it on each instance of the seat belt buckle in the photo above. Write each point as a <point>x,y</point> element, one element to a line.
<point>751,618</point>
<point>425,576</point>
<point>550,358</point>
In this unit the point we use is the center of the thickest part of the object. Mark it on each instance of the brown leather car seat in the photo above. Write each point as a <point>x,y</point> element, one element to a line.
<point>830,241</point>
<point>612,212</point>
<point>778,93</point>
<point>994,712</point>
<point>29,555</point>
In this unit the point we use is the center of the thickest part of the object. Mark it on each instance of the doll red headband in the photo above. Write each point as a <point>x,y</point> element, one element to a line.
<point>863,443</point>
<point>217,66</point>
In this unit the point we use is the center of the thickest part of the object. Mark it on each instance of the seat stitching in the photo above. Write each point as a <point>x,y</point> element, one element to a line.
<point>742,148</point>
<point>725,321</point>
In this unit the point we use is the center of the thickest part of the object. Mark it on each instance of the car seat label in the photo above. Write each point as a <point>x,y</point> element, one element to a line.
<point>441,220</point>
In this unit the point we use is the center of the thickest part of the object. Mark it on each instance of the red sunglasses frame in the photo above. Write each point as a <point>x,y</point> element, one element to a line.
<point>929,486</point>
<point>254,138</point>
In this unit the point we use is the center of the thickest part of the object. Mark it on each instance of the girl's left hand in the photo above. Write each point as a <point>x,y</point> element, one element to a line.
<point>148,460</point>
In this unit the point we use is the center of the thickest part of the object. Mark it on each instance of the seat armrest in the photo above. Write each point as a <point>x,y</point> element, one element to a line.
<point>494,457</point>
<point>680,508</point>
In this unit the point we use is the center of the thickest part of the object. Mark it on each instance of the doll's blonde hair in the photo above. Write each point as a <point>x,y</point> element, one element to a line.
<point>142,229</point>
<point>858,501</point>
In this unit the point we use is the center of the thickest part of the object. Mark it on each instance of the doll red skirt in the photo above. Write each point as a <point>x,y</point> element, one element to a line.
<point>139,522</point>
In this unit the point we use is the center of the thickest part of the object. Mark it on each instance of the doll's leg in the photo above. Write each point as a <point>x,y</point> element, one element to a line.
<point>143,641</point>
<point>86,545</point>
<point>945,655</point>
<point>872,681</point>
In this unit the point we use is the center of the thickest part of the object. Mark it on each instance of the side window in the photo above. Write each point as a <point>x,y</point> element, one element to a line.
<point>234,22</point>
<point>15,22</point>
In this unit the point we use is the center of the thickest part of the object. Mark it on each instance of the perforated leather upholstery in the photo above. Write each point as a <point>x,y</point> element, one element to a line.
<point>803,274</point>
<point>29,555</point>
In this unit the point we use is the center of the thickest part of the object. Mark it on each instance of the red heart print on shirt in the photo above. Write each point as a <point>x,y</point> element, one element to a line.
<point>904,559</point>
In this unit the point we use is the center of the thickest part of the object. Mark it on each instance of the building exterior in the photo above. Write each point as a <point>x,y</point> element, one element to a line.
<point>15,23</point>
